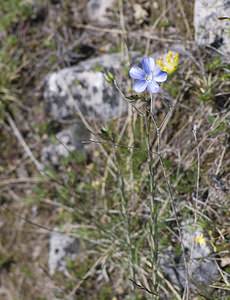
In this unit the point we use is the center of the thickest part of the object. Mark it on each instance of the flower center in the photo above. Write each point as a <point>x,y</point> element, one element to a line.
<point>149,77</point>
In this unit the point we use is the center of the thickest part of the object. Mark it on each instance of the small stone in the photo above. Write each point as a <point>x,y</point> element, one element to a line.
<point>209,29</point>
<point>68,141</point>
<point>97,11</point>
<point>140,13</point>
<point>202,267</point>
<point>61,247</point>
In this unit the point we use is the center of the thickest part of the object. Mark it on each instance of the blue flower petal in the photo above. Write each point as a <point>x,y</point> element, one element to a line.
<point>148,64</point>
<point>153,87</point>
<point>157,70</point>
<point>161,76</point>
<point>137,73</point>
<point>140,85</point>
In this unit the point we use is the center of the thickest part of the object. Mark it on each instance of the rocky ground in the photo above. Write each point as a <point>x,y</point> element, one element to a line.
<point>74,180</point>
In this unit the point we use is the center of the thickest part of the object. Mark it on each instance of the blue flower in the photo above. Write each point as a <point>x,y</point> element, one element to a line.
<point>147,77</point>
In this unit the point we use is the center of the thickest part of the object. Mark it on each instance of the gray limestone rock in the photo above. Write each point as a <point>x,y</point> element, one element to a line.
<point>202,267</point>
<point>209,29</point>
<point>97,11</point>
<point>67,141</point>
<point>61,247</point>
<point>83,88</point>
<point>81,92</point>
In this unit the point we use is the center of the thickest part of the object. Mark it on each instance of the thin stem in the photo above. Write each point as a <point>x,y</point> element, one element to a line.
<point>198,170</point>
<point>153,225</point>
<point>158,132</point>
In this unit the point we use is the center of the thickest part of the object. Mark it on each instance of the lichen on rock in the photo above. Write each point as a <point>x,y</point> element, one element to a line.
<point>210,29</point>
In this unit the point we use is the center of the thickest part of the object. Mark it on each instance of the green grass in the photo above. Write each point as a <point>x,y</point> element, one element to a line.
<point>13,11</point>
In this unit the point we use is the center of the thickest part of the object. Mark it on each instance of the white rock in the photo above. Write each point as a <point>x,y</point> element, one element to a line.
<point>84,88</point>
<point>202,267</point>
<point>61,247</point>
<point>97,10</point>
<point>209,30</point>
<point>67,141</point>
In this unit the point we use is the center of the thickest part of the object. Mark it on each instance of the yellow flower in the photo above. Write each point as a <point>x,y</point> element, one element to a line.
<point>169,62</point>
<point>200,240</point>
